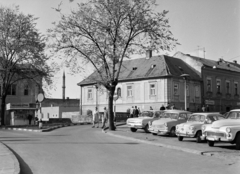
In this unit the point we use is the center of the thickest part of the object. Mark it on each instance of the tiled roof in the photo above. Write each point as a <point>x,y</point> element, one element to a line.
<point>220,64</point>
<point>155,67</point>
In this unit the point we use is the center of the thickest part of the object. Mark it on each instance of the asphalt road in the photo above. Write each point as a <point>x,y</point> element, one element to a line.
<point>82,149</point>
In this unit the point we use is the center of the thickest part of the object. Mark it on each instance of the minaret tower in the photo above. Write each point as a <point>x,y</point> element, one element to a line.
<point>63,91</point>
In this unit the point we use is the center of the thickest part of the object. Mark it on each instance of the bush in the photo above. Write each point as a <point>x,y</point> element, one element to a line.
<point>89,112</point>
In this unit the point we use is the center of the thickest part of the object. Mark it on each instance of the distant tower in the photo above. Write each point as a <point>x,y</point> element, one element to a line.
<point>63,92</point>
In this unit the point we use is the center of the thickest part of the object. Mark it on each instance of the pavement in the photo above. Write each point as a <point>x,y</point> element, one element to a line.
<point>10,165</point>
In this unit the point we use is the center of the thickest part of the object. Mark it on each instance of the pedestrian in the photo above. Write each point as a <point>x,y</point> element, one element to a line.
<point>135,112</point>
<point>95,117</point>
<point>168,106</point>
<point>208,109</point>
<point>105,118</point>
<point>151,108</point>
<point>203,108</point>
<point>29,118</point>
<point>36,120</point>
<point>139,111</point>
<point>131,112</point>
<point>162,108</point>
<point>173,107</point>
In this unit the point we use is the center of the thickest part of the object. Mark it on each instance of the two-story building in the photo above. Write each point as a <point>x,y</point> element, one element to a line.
<point>151,81</point>
<point>221,81</point>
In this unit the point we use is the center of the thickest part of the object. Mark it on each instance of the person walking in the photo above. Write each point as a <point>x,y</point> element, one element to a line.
<point>95,117</point>
<point>151,108</point>
<point>131,112</point>
<point>135,112</point>
<point>30,119</point>
<point>105,118</point>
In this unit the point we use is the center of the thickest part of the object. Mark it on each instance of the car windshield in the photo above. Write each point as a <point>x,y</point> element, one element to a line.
<point>158,114</point>
<point>146,114</point>
<point>234,115</point>
<point>197,118</point>
<point>171,115</point>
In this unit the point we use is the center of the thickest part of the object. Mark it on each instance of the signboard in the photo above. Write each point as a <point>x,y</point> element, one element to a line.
<point>209,102</point>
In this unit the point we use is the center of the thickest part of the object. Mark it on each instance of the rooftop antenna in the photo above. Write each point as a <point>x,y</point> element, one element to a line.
<point>204,51</point>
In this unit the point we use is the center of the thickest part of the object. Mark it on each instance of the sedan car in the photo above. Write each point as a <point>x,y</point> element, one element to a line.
<point>141,122</point>
<point>193,127</point>
<point>226,130</point>
<point>167,124</point>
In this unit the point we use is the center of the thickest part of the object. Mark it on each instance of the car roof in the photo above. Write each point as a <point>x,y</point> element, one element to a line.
<point>153,110</point>
<point>207,113</point>
<point>235,110</point>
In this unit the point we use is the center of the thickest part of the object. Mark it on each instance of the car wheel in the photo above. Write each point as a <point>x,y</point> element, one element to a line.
<point>154,133</point>
<point>173,132</point>
<point>133,129</point>
<point>146,128</point>
<point>238,142</point>
<point>180,138</point>
<point>211,143</point>
<point>198,137</point>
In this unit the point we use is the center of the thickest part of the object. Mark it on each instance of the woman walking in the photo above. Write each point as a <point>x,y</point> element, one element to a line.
<point>95,118</point>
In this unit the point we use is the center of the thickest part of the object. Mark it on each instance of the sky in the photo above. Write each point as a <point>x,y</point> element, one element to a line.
<point>210,25</point>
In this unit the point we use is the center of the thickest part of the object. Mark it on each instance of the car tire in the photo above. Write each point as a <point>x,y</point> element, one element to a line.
<point>173,132</point>
<point>133,129</point>
<point>146,128</point>
<point>180,138</point>
<point>154,133</point>
<point>238,142</point>
<point>198,137</point>
<point>211,143</point>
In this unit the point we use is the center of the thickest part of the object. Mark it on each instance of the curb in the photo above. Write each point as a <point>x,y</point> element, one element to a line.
<point>8,161</point>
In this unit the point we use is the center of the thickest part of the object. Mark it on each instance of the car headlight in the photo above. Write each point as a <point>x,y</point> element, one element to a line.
<point>228,130</point>
<point>165,124</point>
<point>203,128</point>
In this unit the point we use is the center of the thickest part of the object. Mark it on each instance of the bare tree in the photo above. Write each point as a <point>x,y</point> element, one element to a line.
<point>105,32</point>
<point>21,52</point>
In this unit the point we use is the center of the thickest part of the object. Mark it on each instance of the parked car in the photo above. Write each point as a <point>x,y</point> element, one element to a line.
<point>227,130</point>
<point>141,122</point>
<point>193,127</point>
<point>167,124</point>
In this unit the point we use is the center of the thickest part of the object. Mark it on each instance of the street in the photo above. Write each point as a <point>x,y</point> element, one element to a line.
<point>82,149</point>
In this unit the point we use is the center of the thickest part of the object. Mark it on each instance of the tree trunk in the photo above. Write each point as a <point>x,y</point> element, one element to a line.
<point>110,108</point>
<point>3,110</point>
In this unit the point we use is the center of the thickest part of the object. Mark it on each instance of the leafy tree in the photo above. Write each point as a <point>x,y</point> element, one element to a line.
<point>21,52</point>
<point>105,32</point>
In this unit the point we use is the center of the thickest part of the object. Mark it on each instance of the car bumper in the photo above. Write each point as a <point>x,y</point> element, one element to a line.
<point>224,137</point>
<point>159,132</point>
<point>185,134</point>
<point>137,126</point>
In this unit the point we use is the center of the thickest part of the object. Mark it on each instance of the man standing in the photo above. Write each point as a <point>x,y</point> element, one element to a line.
<point>131,112</point>
<point>30,119</point>
<point>105,118</point>
<point>135,112</point>
<point>95,117</point>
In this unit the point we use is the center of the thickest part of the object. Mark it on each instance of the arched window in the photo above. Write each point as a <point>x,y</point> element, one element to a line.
<point>119,92</point>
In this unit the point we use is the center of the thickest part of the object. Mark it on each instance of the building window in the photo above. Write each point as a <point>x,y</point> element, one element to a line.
<point>218,86</point>
<point>228,87</point>
<point>209,85</point>
<point>187,90</point>
<point>197,94</point>
<point>26,89</point>
<point>90,94</point>
<point>236,88</point>
<point>175,89</point>
<point>152,89</point>
<point>129,91</point>
<point>12,89</point>
<point>119,92</point>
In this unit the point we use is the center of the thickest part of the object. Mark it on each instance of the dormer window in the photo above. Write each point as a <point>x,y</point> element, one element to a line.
<point>153,66</point>
<point>134,68</point>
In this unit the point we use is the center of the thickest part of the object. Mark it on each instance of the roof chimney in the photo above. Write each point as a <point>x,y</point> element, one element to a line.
<point>235,61</point>
<point>148,54</point>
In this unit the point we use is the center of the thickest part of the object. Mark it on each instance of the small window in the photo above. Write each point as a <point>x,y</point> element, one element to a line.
<point>129,91</point>
<point>152,89</point>
<point>90,95</point>
<point>209,85</point>
<point>175,89</point>
<point>12,89</point>
<point>119,92</point>
<point>218,84</point>
<point>25,89</point>
<point>236,88</point>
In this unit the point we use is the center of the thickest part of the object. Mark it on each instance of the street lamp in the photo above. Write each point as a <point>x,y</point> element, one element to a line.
<point>185,89</point>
